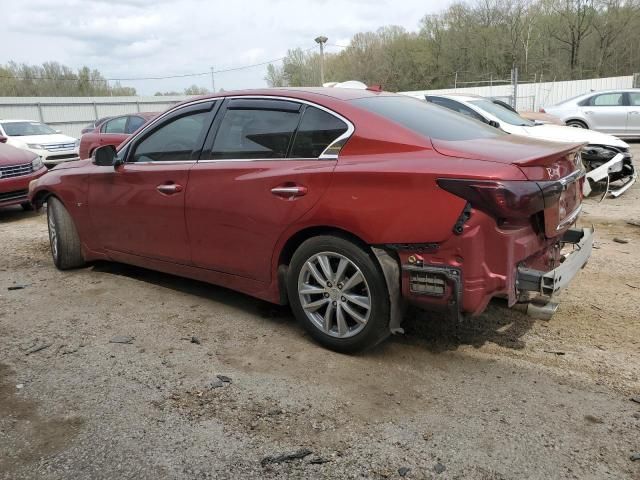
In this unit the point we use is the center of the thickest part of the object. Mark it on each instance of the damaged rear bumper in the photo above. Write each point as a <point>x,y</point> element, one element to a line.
<point>549,283</point>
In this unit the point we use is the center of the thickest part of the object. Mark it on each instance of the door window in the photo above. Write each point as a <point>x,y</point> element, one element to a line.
<point>173,141</point>
<point>456,107</point>
<point>634,99</point>
<point>134,124</point>
<point>608,100</point>
<point>254,134</point>
<point>317,130</point>
<point>116,125</point>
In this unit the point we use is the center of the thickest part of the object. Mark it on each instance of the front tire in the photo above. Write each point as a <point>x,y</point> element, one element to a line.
<point>63,236</point>
<point>577,124</point>
<point>338,293</point>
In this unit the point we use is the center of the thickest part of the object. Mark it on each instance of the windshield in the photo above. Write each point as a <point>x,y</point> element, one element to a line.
<point>21,129</point>
<point>503,114</point>
<point>427,119</point>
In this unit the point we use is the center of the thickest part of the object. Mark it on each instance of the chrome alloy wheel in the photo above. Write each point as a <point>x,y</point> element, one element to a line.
<point>53,235</point>
<point>334,294</point>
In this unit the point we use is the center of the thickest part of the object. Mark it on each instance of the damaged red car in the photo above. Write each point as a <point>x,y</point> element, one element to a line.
<point>17,168</point>
<point>345,204</point>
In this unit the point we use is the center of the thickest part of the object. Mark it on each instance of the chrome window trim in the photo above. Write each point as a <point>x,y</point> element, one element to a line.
<point>323,155</point>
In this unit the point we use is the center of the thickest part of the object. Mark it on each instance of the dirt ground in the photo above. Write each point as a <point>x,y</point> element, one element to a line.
<point>497,397</point>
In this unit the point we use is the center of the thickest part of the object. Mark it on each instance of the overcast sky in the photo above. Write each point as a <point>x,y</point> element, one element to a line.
<point>145,38</point>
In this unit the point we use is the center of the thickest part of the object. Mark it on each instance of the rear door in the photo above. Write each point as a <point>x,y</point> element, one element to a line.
<point>607,112</point>
<point>138,207</point>
<point>263,169</point>
<point>113,132</point>
<point>633,117</point>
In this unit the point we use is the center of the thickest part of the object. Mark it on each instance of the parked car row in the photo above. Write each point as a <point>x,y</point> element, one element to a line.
<point>607,158</point>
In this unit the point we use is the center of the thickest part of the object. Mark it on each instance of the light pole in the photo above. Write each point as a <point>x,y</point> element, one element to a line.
<point>321,40</point>
<point>213,82</point>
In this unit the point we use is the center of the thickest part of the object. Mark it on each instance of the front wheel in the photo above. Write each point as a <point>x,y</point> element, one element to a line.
<point>63,236</point>
<point>577,124</point>
<point>339,294</point>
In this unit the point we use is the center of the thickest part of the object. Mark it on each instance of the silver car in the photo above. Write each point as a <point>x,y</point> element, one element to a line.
<point>616,112</point>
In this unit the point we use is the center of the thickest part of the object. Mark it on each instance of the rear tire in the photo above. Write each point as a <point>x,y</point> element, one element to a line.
<point>63,236</point>
<point>577,124</point>
<point>338,293</point>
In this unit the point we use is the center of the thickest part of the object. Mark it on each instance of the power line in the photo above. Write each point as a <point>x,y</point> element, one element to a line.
<point>133,79</point>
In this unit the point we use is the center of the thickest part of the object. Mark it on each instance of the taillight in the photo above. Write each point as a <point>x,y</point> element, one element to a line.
<point>542,110</point>
<point>500,199</point>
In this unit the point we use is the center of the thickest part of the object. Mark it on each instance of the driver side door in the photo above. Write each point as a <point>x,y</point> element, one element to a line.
<point>137,208</point>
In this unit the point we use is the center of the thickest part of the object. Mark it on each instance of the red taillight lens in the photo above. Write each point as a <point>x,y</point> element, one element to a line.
<point>542,110</point>
<point>500,199</point>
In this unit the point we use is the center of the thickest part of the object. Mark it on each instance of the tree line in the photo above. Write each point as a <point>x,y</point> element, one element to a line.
<point>477,43</point>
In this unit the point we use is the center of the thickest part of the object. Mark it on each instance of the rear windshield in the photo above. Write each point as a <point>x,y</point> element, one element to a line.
<point>427,119</point>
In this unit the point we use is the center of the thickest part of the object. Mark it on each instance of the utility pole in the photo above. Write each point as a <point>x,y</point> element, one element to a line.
<point>213,82</point>
<point>321,40</point>
<point>514,83</point>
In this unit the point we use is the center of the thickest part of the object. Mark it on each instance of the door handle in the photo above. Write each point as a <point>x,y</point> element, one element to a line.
<point>634,113</point>
<point>589,112</point>
<point>169,188</point>
<point>289,191</point>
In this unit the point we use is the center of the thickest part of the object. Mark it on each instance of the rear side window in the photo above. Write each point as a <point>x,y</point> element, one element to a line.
<point>634,99</point>
<point>116,125</point>
<point>254,134</point>
<point>426,119</point>
<point>455,106</point>
<point>317,130</point>
<point>607,100</point>
<point>134,124</point>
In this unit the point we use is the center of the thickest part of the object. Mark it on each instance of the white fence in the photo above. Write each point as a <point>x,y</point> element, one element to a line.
<point>70,114</point>
<point>532,96</point>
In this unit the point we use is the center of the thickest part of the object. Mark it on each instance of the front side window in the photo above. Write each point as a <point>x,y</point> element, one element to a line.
<point>134,124</point>
<point>317,130</point>
<point>254,134</point>
<point>173,141</point>
<point>115,126</point>
<point>634,99</point>
<point>607,100</point>
<point>425,119</point>
<point>501,113</point>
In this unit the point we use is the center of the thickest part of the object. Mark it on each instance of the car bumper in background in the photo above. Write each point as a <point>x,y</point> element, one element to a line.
<point>617,175</point>
<point>60,156</point>
<point>15,190</point>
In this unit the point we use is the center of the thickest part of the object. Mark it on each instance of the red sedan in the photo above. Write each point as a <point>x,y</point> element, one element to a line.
<point>17,168</point>
<point>112,131</point>
<point>346,204</point>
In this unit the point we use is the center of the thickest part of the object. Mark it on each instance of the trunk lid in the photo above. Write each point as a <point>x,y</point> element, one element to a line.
<point>555,167</point>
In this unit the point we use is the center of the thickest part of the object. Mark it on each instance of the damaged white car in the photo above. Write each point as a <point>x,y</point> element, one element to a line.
<point>609,165</point>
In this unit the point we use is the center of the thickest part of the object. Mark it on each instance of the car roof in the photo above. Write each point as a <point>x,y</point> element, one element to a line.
<point>456,96</point>
<point>303,93</point>
<point>13,120</point>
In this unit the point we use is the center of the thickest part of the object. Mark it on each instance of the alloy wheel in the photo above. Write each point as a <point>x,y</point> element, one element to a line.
<point>334,294</point>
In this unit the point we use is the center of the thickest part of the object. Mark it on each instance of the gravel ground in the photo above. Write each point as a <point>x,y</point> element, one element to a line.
<point>497,397</point>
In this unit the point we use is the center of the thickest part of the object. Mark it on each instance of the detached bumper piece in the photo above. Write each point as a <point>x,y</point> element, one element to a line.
<point>616,176</point>
<point>549,283</point>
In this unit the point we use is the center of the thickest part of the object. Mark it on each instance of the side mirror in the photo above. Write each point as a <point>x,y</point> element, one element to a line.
<point>104,156</point>
<point>3,139</point>
<point>494,124</point>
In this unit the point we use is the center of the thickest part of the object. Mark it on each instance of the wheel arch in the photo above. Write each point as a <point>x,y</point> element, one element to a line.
<point>40,198</point>
<point>579,120</point>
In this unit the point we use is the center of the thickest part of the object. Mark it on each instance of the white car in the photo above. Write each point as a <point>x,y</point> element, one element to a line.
<point>609,111</point>
<point>606,158</point>
<point>50,145</point>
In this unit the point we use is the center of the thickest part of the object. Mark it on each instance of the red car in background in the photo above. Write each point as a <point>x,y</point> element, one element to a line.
<point>17,168</point>
<point>346,204</point>
<point>113,131</point>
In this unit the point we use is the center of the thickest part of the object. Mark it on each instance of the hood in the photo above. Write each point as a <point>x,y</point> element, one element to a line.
<point>511,149</point>
<point>560,133</point>
<point>43,139</point>
<point>72,164</point>
<point>14,156</point>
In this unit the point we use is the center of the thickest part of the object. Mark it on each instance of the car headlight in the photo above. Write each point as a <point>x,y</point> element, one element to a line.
<point>36,146</point>
<point>36,164</point>
<point>77,143</point>
<point>597,153</point>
